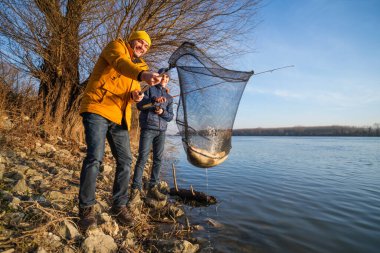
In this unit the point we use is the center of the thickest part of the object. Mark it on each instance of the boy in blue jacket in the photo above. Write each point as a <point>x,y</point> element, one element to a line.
<point>156,110</point>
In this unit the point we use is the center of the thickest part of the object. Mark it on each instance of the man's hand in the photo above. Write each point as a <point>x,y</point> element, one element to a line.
<point>160,100</point>
<point>136,96</point>
<point>151,78</point>
<point>159,110</point>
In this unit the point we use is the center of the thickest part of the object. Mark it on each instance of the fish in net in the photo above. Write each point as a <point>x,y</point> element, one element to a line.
<point>208,102</point>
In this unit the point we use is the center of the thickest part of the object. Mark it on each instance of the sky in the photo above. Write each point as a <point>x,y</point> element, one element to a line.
<point>335,47</point>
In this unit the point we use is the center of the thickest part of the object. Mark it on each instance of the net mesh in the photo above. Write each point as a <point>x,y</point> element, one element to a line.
<point>209,98</point>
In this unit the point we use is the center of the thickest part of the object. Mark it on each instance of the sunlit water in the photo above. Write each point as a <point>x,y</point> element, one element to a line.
<point>289,194</point>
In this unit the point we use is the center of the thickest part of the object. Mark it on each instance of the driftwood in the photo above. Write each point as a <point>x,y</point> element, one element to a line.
<point>191,196</point>
<point>188,195</point>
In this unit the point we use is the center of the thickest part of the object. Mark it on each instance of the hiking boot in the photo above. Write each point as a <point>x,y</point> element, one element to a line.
<point>122,215</point>
<point>87,217</point>
<point>135,197</point>
<point>155,193</point>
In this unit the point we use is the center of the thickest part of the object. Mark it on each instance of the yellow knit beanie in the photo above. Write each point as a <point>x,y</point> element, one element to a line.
<point>140,35</point>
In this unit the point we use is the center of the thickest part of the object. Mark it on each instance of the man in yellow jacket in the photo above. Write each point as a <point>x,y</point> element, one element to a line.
<point>106,110</point>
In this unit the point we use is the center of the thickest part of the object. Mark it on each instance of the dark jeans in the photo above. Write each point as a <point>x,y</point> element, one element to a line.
<point>97,129</point>
<point>147,138</point>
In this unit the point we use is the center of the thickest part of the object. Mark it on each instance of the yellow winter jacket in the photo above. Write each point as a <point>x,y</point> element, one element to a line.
<point>108,92</point>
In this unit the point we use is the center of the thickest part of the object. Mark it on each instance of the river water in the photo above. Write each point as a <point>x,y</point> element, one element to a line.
<point>288,194</point>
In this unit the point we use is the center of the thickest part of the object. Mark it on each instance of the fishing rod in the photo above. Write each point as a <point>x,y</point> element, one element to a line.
<point>215,84</point>
<point>255,74</point>
<point>271,70</point>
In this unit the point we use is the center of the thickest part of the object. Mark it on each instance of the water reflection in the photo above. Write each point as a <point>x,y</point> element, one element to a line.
<point>283,194</point>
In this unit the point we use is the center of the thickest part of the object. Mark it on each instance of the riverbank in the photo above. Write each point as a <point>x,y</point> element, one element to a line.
<point>39,180</point>
<point>370,131</point>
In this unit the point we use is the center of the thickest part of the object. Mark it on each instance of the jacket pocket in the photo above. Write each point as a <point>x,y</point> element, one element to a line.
<point>115,86</point>
<point>152,119</point>
<point>112,94</point>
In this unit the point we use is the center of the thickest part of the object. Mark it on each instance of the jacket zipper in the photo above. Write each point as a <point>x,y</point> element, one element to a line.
<point>159,117</point>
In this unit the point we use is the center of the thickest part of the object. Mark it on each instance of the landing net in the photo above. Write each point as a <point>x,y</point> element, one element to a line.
<point>209,99</point>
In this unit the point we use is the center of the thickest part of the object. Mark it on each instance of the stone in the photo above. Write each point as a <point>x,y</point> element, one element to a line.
<point>40,199</point>
<point>175,211</point>
<point>5,196</point>
<point>35,179</point>
<point>14,219</point>
<point>129,240</point>
<point>31,172</point>
<point>198,227</point>
<point>68,249</point>
<point>14,175</point>
<point>63,153</point>
<point>110,228</point>
<point>53,240</point>
<point>214,223</point>
<point>98,242</point>
<point>40,150</point>
<point>68,231</point>
<point>9,181</point>
<point>9,251</point>
<point>21,168</point>
<point>2,170</point>
<point>200,240</point>
<point>177,246</point>
<point>49,148</point>
<point>9,154</point>
<point>41,250</point>
<point>14,203</point>
<point>21,154</point>
<point>7,124</point>
<point>21,187</point>
<point>53,170</point>
<point>56,196</point>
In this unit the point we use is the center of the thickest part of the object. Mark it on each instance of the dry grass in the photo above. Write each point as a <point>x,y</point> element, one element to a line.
<point>41,218</point>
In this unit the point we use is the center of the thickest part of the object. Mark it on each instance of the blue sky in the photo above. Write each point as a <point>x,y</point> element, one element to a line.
<point>335,47</point>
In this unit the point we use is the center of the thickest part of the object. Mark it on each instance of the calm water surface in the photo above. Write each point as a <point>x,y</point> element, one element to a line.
<point>289,194</point>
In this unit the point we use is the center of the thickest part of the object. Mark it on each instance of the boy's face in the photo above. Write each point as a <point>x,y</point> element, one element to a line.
<point>164,80</point>
<point>139,47</point>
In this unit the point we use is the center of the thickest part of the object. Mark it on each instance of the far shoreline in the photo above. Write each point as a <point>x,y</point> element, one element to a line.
<point>317,131</point>
<point>309,131</point>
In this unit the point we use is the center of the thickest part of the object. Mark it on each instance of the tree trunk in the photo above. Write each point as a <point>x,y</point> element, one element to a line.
<point>60,89</point>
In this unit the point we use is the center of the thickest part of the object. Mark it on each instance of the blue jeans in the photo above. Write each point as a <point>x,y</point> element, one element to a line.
<point>97,129</point>
<point>147,138</point>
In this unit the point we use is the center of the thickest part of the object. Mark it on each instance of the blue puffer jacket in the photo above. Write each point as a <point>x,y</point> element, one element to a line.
<point>148,118</point>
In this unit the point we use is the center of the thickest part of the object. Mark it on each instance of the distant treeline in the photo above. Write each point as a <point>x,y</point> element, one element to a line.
<point>310,131</point>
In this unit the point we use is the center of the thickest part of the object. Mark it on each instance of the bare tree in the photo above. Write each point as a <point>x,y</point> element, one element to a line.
<point>58,41</point>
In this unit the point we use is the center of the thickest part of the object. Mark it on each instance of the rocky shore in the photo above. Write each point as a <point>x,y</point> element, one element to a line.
<point>39,180</point>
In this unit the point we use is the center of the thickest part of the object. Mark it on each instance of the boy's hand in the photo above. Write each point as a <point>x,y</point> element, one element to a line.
<point>160,100</point>
<point>159,110</point>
